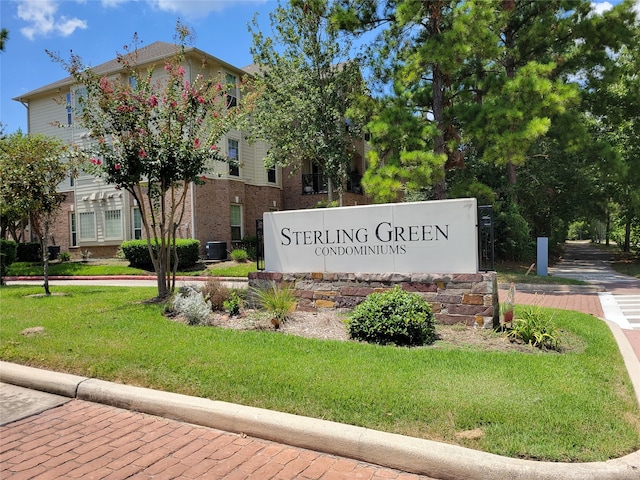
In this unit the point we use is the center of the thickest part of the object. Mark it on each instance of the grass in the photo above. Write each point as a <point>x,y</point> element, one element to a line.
<point>575,406</point>
<point>110,267</point>
<point>512,272</point>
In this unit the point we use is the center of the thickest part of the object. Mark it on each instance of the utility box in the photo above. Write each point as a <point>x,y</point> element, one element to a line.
<point>543,256</point>
<point>216,250</point>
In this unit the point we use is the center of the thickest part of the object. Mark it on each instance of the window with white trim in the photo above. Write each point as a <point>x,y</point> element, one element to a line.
<point>136,223</point>
<point>234,157</point>
<point>232,90</point>
<point>87,224</point>
<point>113,224</point>
<point>69,110</point>
<point>271,174</point>
<point>236,223</point>
<point>73,230</point>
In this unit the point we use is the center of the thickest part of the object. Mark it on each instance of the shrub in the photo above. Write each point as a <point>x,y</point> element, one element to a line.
<point>395,317</point>
<point>215,293</point>
<point>233,303</point>
<point>137,253</point>
<point>191,304</point>
<point>278,302</point>
<point>239,255</point>
<point>512,235</point>
<point>8,255</point>
<point>29,252</point>
<point>64,257</point>
<point>534,327</point>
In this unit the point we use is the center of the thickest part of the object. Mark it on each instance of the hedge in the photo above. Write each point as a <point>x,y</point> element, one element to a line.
<point>8,255</point>
<point>137,252</point>
<point>29,252</point>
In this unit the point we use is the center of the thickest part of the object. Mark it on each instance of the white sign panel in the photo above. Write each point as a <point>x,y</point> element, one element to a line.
<point>420,237</point>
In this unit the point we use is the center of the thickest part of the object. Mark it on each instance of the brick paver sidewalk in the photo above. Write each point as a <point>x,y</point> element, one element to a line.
<point>91,441</point>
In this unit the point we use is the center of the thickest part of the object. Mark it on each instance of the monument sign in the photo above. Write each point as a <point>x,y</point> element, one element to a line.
<point>419,237</point>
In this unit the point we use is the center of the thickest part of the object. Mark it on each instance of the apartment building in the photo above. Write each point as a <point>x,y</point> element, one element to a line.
<point>96,217</point>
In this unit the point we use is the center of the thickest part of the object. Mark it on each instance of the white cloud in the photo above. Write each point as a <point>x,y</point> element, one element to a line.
<point>600,7</point>
<point>188,8</point>
<point>42,20</point>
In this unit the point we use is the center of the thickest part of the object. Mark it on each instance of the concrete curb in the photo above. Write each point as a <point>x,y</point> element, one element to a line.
<point>424,457</point>
<point>553,288</point>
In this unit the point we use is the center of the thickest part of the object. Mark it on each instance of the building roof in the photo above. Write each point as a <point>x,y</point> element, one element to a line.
<point>145,55</point>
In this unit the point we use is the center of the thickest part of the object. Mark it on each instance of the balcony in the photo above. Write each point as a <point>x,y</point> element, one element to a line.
<point>314,183</point>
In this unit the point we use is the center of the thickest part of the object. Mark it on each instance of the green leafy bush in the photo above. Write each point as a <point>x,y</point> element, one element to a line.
<point>29,252</point>
<point>233,303</point>
<point>64,257</point>
<point>8,255</point>
<point>536,328</point>
<point>395,317</point>
<point>239,255</point>
<point>278,302</point>
<point>137,253</point>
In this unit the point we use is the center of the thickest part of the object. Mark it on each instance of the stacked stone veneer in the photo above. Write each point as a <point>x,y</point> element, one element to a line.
<point>470,299</point>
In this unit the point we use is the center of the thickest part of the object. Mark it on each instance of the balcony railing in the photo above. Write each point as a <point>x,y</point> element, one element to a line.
<point>314,183</point>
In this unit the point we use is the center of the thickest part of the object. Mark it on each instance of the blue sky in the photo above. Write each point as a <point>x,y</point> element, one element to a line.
<point>98,29</point>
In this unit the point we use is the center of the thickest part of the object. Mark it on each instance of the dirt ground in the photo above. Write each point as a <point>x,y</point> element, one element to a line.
<point>330,325</point>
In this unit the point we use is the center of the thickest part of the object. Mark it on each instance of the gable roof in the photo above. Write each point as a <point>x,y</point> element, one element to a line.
<point>151,53</point>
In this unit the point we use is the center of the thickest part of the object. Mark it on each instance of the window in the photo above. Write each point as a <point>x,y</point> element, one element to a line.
<point>236,223</point>
<point>113,224</point>
<point>133,82</point>
<point>232,90</point>
<point>69,113</point>
<point>234,158</point>
<point>87,222</point>
<point>79,96</point>
<point>137,224</point>
<point>271,175</point>
<point>73,230</point>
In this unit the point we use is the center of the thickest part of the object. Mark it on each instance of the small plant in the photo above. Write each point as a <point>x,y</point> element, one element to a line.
<point>85,255</point>
<point>215,293</point>
<point>190,303</point>
<point>233,303</point>
<point>278,302</point>
<point>534,327</point>
<point>64,257</point>
<point>394,316</point>
<point>239,255</point>
<point>507,308</point>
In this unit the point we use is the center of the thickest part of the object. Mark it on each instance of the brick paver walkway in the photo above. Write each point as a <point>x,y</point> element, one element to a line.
<point>90,441</point>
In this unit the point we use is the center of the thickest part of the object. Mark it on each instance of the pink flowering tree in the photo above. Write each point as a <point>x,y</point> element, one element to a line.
<point>154,135</point>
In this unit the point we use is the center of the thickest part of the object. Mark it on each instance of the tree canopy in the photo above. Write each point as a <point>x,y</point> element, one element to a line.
<point>308,87</point>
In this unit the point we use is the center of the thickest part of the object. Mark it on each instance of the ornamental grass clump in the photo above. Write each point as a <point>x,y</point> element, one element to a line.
<point>393,317</point>
<point>278,302</point>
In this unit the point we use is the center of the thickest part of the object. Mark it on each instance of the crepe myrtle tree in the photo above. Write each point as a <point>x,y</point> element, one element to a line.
<point>153,136</point>
<point>31,168</point>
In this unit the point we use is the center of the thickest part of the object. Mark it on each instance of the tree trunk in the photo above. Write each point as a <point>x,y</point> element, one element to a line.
<point>45,255</point>
<point>439,143</point>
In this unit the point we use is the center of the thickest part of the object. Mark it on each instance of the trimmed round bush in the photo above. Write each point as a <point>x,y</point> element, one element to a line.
<point>393,317</point>
<point>137,252</point>
<point>239,255</point>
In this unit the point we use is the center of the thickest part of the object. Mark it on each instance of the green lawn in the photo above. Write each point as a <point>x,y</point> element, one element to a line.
<point>575,406</point>
<point>121,267</point>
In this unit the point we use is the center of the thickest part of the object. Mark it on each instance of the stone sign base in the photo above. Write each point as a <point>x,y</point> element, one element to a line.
<point>469,299</point>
